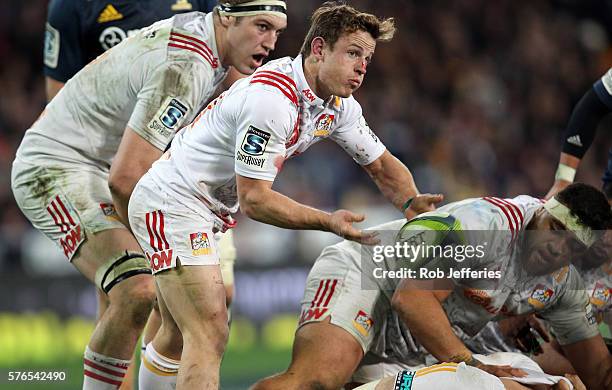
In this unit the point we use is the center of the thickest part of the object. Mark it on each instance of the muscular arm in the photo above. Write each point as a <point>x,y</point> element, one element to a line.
<point>592,362</point>
<point>133,159</point>
<point>397,184</point>
<point>259,202</point>
<point>422,312</point>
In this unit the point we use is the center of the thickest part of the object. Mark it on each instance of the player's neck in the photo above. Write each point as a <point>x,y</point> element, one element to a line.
<point>311,73</point>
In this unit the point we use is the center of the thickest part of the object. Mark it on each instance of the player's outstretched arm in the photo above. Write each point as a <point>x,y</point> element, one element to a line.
<point>259,202</point>
<point>396,183</point>
<point>592,362</point>
<point>133,159</point>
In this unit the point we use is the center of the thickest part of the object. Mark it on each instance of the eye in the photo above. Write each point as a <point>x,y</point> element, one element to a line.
<point>352,53</point>
<point>263,27</point>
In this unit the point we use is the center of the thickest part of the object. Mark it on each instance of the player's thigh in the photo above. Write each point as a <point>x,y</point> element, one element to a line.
<point>325,353</point>
<point>195,297</point>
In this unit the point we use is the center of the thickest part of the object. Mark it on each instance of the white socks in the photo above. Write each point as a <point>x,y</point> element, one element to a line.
<point>102,372</point>
<point>157,372</point>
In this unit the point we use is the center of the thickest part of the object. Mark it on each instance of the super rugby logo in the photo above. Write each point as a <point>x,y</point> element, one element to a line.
<point>173,113</point>
<point>540,296</point>
<point>255,141</point>
<point>404,380</point>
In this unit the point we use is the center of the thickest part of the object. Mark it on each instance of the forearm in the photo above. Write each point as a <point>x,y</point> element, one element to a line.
<point>591,360</point>
<point>584,120</point>
<point>428,323</point>
<point>273,208</point>
<point>393,179</point>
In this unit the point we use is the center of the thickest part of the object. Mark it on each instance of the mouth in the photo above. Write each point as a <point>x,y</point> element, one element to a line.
<point>258,59</point>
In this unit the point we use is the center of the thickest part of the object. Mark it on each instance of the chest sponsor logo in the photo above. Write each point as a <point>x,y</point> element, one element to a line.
<point>323,125</point>
<point>108,14</point>
<point>52,46</point>
<point>255,141</point>
<point>601,295</point>
<point>540,296</point>
<point>309,95</point>
<point>404,380</point>
<point>481,298</point>
<point>363,323</point>
<point>181,5</point>
<point>200,245</point>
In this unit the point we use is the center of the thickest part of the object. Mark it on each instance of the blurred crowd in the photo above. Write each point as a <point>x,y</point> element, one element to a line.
<point>471,94</point>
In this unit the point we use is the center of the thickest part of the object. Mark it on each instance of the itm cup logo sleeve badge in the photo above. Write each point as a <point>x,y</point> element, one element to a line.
<point>540,296</point>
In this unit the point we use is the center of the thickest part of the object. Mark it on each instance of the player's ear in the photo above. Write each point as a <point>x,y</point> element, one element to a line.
<point>316,48</point>
<point>226,20</point>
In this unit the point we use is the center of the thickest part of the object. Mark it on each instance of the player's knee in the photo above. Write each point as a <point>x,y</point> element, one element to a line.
<point>211,331</point>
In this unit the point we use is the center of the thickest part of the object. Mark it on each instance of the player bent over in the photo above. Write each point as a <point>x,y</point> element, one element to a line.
<point>233,152</point>
<point>357,327</point>
<point>106,126</point>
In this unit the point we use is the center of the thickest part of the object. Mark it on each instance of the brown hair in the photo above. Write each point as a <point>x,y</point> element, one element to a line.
<point>333,19</point>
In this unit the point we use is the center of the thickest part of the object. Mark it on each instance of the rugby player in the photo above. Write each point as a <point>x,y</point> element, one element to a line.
<point>580,133</point>
<point>459,376</point>
<point>77,32</point>
<point>347,317</point>
<point>231,154</point>
<point>106,126</point>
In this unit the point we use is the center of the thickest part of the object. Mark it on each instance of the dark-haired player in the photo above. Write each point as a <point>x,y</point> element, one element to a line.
<point>360,312</point>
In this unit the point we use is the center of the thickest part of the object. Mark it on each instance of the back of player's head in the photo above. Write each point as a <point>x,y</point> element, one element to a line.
<point>588,204</point>
<point>333,19</point>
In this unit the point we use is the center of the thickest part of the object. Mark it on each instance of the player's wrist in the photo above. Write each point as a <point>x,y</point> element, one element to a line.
<point>407,204</point>
<point>565,173</point>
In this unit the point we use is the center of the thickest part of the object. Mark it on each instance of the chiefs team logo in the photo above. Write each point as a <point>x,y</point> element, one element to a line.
<point>323,125</point>
<point>601,295</point>
<point>540,296</point>
<point>200,245</point>
<point>363,323</point>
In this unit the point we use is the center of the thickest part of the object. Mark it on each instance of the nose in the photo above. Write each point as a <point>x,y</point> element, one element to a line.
<point>361,67</point>
<point>270,42</point>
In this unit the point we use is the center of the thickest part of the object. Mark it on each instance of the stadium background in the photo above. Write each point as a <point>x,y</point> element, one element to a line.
<point>472,95</point>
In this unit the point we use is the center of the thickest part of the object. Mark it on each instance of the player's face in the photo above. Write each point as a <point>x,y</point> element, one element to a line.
<point>549,246</point>
<point>344,67</point>
<point>251,39</point>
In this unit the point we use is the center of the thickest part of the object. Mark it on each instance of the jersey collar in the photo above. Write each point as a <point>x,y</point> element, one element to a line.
<point>306,94</point>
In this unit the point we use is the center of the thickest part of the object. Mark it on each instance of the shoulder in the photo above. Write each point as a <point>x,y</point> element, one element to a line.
<point>62,11</point>
<point>279,85</point>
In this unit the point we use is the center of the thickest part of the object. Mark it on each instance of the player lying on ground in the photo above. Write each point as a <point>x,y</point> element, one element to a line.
<point>347,322</point>
<point>106,126</point>
<point>459,376</point>
<point>234,150</point>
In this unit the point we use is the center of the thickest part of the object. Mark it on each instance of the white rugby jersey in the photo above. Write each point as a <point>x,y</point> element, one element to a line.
<point>560,297</point>
<point>155,82</point>
<point>252,128</point>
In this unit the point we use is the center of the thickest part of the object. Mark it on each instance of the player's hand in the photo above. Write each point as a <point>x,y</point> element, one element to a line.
<point>576,382</point>
<point>423,203</point>
<point>341,223</point>
<point>556,188</point>
<point>502,371</point>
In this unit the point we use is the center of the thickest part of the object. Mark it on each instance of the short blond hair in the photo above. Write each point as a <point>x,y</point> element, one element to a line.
<point>333,19</point>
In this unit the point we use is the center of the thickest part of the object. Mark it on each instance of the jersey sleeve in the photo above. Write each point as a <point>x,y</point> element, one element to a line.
<point>63,55</point>
<point>264,125</point>
<point>355,136</point>
<point>169,100</point>
<point>572,318</point>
